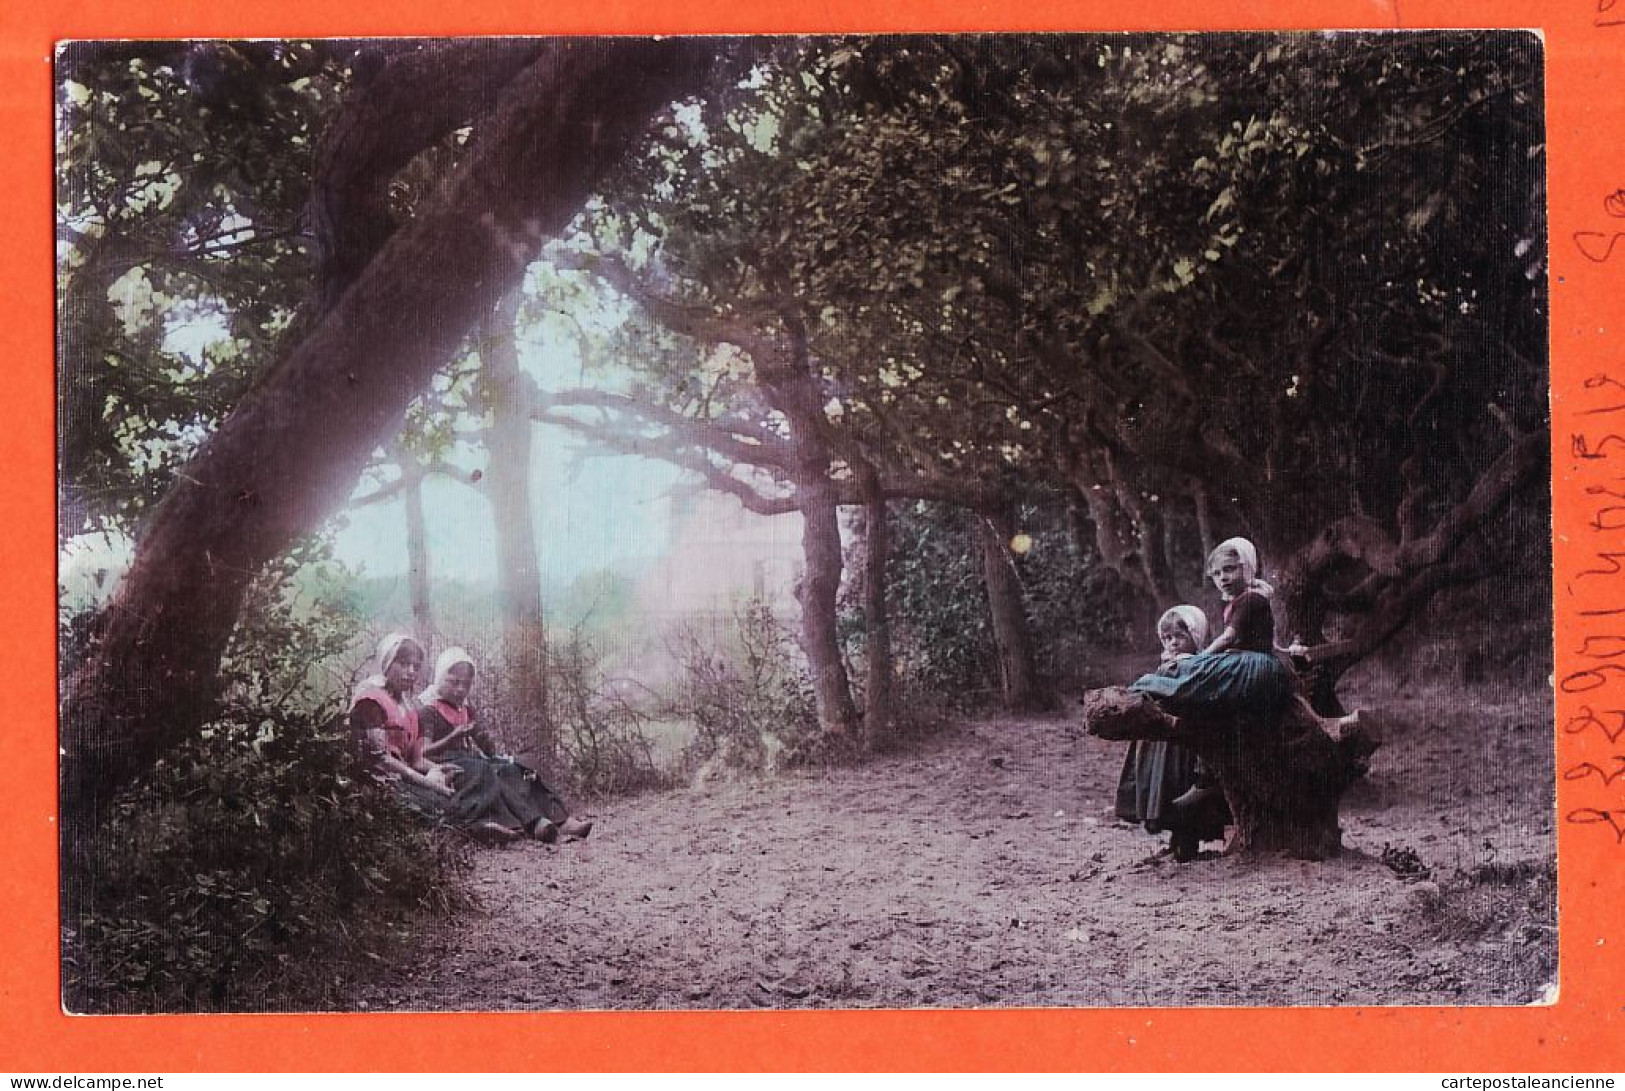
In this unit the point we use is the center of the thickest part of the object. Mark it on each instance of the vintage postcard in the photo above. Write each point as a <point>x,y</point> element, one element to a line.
<point>997,525</point>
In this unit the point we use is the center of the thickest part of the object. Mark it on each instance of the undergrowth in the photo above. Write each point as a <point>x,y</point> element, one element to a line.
<point>748,694</point>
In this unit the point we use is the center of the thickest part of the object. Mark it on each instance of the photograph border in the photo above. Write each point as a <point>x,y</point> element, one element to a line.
<point>1583,1030</point>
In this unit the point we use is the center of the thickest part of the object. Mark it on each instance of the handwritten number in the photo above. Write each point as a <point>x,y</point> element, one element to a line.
<point>1587,680</point>
<point>1589,815</point>
<point>1593,250</point>
<point>1615,644</point>
<point>1586,769</point>
<point>1604,519</point>
<point>1589,719</point>
<point>1611,560</point>
<point>1583,449</point>
<point>1598,247</point>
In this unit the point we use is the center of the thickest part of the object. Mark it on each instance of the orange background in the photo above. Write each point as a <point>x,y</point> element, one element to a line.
<point>1584,1031</point>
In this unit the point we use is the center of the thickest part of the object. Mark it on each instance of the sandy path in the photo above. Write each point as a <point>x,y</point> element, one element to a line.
<point>984,868</point>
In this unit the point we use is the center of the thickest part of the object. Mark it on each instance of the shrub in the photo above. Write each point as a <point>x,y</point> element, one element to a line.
<point>600,729</point>
<point>746,690</point>
<point>258,842</point>
<point>942,633</point>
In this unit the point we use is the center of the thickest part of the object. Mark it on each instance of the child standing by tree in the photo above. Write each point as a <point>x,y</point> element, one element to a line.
<point>1156,772</point>
<point>1241,671</point>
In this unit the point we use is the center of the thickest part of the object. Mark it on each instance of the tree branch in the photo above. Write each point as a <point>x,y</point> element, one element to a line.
<point>742,441</point>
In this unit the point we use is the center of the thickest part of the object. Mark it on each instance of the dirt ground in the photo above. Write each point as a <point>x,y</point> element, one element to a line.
<point>984,868</point>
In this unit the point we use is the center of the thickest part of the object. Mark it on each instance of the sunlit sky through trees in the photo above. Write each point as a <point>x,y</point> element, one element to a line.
<point>594,509</point>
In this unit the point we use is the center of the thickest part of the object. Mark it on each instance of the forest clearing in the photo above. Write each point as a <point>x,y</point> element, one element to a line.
<point>984,868</point>
<point>676,522</point>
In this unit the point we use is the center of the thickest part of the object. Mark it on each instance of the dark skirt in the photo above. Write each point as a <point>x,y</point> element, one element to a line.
<point>1221,683</point>
<point>1154,775</point>
<point>502,791</point>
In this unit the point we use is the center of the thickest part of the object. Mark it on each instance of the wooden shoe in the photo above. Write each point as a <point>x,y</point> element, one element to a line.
<point>574,829</point>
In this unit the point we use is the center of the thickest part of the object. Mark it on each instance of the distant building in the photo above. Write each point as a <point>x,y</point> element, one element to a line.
<point>721,555</point>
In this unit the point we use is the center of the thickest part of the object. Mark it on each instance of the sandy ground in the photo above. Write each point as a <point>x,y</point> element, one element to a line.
<point>984,868</point>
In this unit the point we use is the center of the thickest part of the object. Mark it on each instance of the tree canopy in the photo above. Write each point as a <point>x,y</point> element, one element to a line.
<point>1182,286</point>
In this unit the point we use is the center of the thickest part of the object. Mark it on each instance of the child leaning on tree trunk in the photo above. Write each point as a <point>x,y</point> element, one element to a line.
<point>1157,772</point>
<point>1242,672</point>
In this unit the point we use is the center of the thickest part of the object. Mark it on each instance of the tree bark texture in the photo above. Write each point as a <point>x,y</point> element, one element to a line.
<point>877,690</point>
<point>1113,529</point>
<point>786,378</point>
<point>508,479</point>
<point>1283,780</point>
<point>1018,672</point>
<point>417,555</point>
<point>416,99</point>
<point>820,585</point>
<point>1377,581</point>
<point>294,448</point>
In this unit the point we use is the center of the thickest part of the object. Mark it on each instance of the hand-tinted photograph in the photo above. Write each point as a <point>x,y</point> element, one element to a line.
<point>950,521</point>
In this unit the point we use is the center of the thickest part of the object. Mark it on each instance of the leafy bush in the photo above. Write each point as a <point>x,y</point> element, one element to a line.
<point>746,690</point>
<point>942,633</point>
<point>260,841</point>
<point>942,636</point>
<point>599,727</point>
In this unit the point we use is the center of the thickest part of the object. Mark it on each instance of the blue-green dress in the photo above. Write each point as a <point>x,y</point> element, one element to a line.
<point>1248,677</point>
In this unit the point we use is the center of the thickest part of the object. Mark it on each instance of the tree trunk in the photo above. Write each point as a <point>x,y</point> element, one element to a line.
<point>1018,675</point>
<point>1356,569</point>
<point>524,635</point>
<point>417,98</point>
<point>786,378</point>
<point>294,448</point>
<point>877,690</point>
<point>417,553</point>
<point>1159,571</point>
<point>1283,780</point>
<point>1204,519</point>
<point>1305,622</point>
<point>1110,543</point>
<point>821,550</point>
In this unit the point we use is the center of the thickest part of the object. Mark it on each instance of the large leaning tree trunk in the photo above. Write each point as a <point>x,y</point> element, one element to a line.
<point>293,450</point>
<point>1283,779</point>
<point>508,394</point>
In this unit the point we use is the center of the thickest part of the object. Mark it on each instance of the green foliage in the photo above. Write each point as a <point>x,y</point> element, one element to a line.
<point>746,690</point>
<point>942,636</point>
<point>296,631</point>
<point>182,171</point>
<point>1285,279</point>
<point>244,853</point>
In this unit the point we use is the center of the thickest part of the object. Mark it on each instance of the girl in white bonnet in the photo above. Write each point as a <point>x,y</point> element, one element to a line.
<point>1155,773</point>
